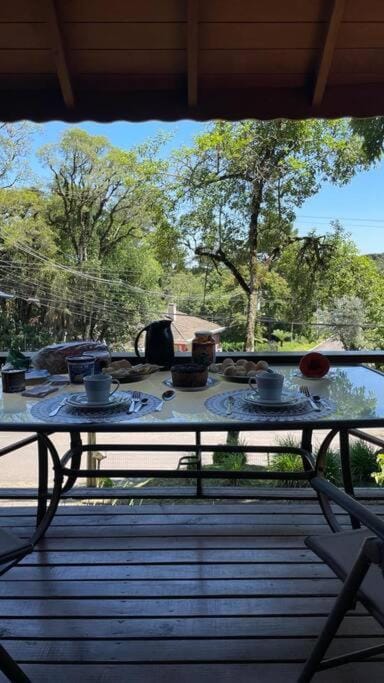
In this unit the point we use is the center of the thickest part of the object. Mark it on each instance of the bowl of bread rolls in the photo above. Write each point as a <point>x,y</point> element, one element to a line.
<point>239,371</point>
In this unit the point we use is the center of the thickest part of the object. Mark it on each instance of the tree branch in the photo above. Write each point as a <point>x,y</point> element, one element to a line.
<point>218,256</point>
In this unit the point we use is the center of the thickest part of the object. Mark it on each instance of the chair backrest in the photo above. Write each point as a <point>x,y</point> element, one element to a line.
<point>352,506</point>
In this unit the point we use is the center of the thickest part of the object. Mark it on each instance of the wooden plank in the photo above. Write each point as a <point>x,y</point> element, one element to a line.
<point>95,542</point>
<point>328,50</point>
<point>169,556</point>
<point>236,510</point>
<point>198,531</point>
<point>364,10</point>
<point>26,61</point>
<point>175,626</point>
<point>348,79</point>
<point>125,83</point>
<point>24,36</point>
<point>203,673</point>
<point>133,35</point>
<point>128,61</point>
<point>274,11</point>
<point>80,36</point>
<point>162,607</point>
<point>358,61</point>
<point>257,61</point>
<point>22,10</point>
<point>256,650</point>
<point>156,572</point>
<point>192,51</point>
<point>361,35</point>
<point>223,493</point>
<point>121,10</point>
<point>201,520</point>
<point>59,53</point>
<point>260,35</point>
<point>169,588</point>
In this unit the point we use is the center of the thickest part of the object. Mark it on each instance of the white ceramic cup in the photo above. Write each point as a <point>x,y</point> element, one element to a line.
<point>98,387</point>
<point>269,385</point>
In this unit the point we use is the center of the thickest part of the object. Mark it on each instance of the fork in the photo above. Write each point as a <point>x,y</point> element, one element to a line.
<point>136,399</point>
<point>304,390</point>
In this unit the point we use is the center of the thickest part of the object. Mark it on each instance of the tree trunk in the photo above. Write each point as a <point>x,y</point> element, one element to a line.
<point>249,344</point>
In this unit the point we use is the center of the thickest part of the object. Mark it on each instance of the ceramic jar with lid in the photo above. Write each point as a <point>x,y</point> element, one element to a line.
<point>203,348</point>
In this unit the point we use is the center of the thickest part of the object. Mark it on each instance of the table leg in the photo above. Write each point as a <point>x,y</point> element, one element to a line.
<point>306,444</point>
<point>199,488</point>
<point>346,469</point>
<point>42,493</point>
<point>76,452</point>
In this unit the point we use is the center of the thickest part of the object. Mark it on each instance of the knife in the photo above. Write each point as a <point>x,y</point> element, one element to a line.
<point>56,410</point>
<point>230,403</point>
<point>314,405</point>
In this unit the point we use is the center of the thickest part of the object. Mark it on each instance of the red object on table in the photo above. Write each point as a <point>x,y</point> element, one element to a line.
<point>314,364</point>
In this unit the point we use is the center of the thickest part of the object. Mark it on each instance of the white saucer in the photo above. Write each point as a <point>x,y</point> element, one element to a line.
<point>326,378</point>
<point>81,401</point>
<point>287,399</point>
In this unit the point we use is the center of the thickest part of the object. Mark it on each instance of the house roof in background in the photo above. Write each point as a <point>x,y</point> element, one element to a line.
<point>184,326</point>
<point>169,59</point>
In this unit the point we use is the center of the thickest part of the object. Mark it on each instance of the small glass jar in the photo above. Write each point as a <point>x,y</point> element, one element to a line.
<point>13,381</point>
<point>203,348</point>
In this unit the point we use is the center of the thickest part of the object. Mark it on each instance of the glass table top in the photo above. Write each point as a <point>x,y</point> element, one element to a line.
<point>357,392</point>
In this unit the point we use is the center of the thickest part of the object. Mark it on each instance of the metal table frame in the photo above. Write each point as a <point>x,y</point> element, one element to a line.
<point>67,469</point>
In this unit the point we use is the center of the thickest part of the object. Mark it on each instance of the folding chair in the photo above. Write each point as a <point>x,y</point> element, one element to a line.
<point>12,550</point>
<point>356,557</point>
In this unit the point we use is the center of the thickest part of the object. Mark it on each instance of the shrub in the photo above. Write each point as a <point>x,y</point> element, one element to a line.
<point>290,462</point>
<point>231,460</point>
<point>363,462</point>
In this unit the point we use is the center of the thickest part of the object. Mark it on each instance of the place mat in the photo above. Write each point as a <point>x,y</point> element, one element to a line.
<point>210,382</point>
<point>245,411</point>
<point>70,415</point>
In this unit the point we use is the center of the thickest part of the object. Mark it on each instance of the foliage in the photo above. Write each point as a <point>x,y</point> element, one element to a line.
<point>362,459</point>
<point>231,460</point>
<point>281,335</point>
<point>372,133</point>
<point>15,145</point>
<point>363,462</point>
<point>345,320</point>
<point>108,237</point>
<point>239,187</point>
<point>95,220</point>
<point>378,474</point>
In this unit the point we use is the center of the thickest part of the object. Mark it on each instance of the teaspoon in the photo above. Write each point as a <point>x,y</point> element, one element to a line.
<point>166,396</point>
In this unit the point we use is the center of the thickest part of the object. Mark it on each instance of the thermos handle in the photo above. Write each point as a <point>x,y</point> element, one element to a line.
<point>137,341</point>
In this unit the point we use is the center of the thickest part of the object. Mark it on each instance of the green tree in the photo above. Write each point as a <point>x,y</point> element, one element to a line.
<point>104,205</point>
<point>15,146</point>
<point>346,320</point>
<point>239,187</point>
<point>372,133</point>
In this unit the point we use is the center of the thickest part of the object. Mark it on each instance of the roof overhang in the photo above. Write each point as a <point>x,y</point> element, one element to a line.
<point>171,59</point>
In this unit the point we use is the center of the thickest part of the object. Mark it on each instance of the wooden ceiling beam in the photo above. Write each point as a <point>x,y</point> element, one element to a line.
<point>192,51</point>
<point>328,50</point>
<point>59,53</point>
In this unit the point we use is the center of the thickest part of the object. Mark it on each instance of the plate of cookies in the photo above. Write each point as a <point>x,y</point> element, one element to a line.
<point>239,371</point>
<point>124,371</point>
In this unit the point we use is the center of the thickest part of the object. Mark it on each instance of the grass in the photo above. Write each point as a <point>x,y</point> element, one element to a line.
<point>294,345</point>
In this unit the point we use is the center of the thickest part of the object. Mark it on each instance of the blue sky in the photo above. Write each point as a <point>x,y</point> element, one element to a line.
<point>358,205</point>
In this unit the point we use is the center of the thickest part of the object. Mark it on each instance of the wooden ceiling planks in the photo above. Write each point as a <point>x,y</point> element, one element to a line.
<point>199,58</point>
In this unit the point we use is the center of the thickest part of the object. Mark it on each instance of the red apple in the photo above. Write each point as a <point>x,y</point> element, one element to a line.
<point>314,365</point>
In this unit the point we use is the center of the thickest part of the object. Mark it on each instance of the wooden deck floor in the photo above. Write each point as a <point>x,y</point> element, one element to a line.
<point>176,593</point>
